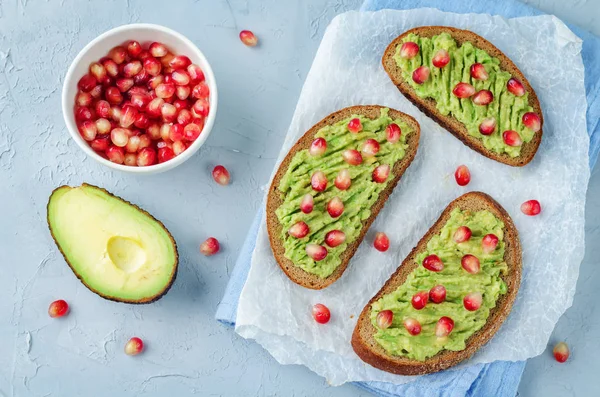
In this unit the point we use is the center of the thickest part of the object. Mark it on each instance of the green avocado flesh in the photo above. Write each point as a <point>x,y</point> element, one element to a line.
<point>506,108</point>
<point>458,282</point>
<point>358,199</point>
<point>119,251</point>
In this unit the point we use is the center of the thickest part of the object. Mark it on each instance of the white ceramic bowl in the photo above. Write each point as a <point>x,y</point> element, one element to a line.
<point>145,34</point>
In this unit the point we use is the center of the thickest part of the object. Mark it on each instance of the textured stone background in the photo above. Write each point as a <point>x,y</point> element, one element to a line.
<point>187,351</point>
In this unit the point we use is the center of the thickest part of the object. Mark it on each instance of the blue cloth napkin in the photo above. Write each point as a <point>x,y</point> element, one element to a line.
<point>498,378</point>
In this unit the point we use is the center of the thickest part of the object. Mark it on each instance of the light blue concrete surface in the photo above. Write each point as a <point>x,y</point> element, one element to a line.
<point>187,351</point>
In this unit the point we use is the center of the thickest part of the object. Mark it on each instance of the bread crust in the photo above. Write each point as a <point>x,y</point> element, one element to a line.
<point>372,353</point>
<point>295,273</point>
<point>455,127</point>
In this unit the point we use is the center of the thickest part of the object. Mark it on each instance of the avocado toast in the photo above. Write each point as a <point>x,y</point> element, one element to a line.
<point>330,187</point>
<point>470,88</point>
<point>449,296</point>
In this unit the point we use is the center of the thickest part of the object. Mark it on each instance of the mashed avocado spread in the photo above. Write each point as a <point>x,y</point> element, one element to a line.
<point>396,340</point>
<point>506,108</point>
<point>357,199</point>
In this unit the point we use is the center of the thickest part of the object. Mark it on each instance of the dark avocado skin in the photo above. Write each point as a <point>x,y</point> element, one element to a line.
<point>112,298</point>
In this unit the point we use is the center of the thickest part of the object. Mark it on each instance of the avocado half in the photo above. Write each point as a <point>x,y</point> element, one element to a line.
<point>115,248</point>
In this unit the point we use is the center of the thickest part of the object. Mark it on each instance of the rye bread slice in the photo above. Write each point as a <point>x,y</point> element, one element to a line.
<point>455,127</point>
<point>295,273</point>
<point>372,353</point>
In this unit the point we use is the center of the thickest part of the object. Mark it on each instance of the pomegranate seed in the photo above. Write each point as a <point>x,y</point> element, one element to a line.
<point>158,50</point>
<point>154,107</point>
<point>134,48</point>
<point>321,313</point>
<point>210,247</point>
<point>58,308</point>
<point>512,138</point>
<point>116,113</point>
<point>103,126</point>
<point>165,154</point>
<point>111,67</point>
<point>381,242</point>
<point>489,243</point>
<point>179,62</point>
<point>462,175</point>
<point>98,71</point>
<point>141,78</point>
<point>531,207</point>
<point>370,148</point>
<point>316,252</point>
<point>355,126</point>
<point>177,133</point>
<point>181,104</point>
<point>180,77</point>
<point>96,92</point>
<point>478,72</point>
<point>165,60</point>
<point>153,131</point>
<point>221,175</point>
<point>483,97</point>
<point>200,90</point>
<point>352,157</point>
<point>82,114</point>
<point>392,133</point>
<point>409,50</point>
<point>115,154</point>
<point>119,137</point>
<point>132,68</point>
<point>201,107</point>
<point>83,99</point>
<point>124,84</point>
<point>134,346</point>
<point>463,90</point>
<point>413,326</point>
<point>129,117</point>
<point>178,147</point>
<point>419,300</point>
<point>113,95</point>
<point>299,230</point>
<point>87,83</point>
<point>515,87</point>
<point>143,55</point>
<point>184,117</point>
<point>130,159</point>
<point>100,144</point>
<point>182,92</point>
<point>444,326</point>
<point>146,157</point>
<point>437,294</point>
<point>88,130</point>
<point>103,109</point>
<point>318,181</point>
<point>487,126</point>
<point>133,144</point>
<point>473,301</point>
<point>118,55</point>
<point>196,73</point>
<point>140,101</point>
<point>532,121</point>
<point>441,59</point>
<point>470,263</point>
<point>433,263</point>
<point>561,352</point>
<point>248,38</point>
<point>198,121</point>
<point>165,131</point>
<point>381,173</point>
<point>169,112</point>
<point>335,238</point>
<point>165,90</point>
<point>343,180</point>
<point>384,319</point>
<point>155,81</point>
<point>163,144</point>
<point>421,74</point>
<point>462,234</point>
<point>307,204</point>
<point>335,207</point>
<point>318,147</point>
<point>191,132</point>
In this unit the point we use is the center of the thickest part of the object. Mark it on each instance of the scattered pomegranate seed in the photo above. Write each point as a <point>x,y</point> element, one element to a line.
<point>561,352</point>
<point>483,97</point>
<point>437,294</point>
<point>352,157</point>
<point>321,313</point>
<point>318,181</point>
<point>441,59</point>
<point>409,50</point>
<point>221,175</point>
<point>531,207</point>
<point>84,99</point>
<point>118,55</point>
<point>463,90</point>
<point>355,126</point>
<point>88,130</point>
<point>299,230</point>
<point>200,90</point>
<point>248,38</point>
<point>370,148</point>
<point>182,92</point>
<point>472,301</point>
<point>462,234</point>
<point>307,204</point>
<point>115,154</point>
<point>433,263</point>
<point>384,319</point>
<point>191,132</point>
<point>489,243</point>
<point>470,263</point>
<point>134,346</point>
<point>532,121</point>
<point>462,175</point>
<point>165,154</point>
<point>444,326</point>
<point>487,126</point>
<point>100,144</point>
<point>318,147</point>
<point>316,252</point>
<point>478,72</point>
<point>130,159</point>
<point>201,107</point>
<point>157,50</point>
<point>421,74</point>
<point>103,126</point>
<point>413,326</point>
<point>392,133</point>
<point>335,207</point>
<point>58,308</point>
<point>343,180</point>
<point>146,157</point>
<point>196,73</point>
<point>419,300</point>
<point>87,83</point>
<point>335,238</point>
<point>179,62</point>
<point>82,113</point>
<point>178,147</point>
<point>512,138</point>
<point>381,242</point>
<point>210,247</point>
<point>515,87</point>
<point>381,173</point>
<point>113,95</point>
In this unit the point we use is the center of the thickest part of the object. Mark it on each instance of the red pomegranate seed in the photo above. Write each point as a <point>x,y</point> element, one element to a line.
<point>83,99</point>
<point>134,346</point>
<point>478,72</point>
<point>531,207</point>
<point>177,133</point>
<point>299,230</point>
<point>210,247</point>
<point>421,74</point>
<point>444,326</point>
<point>58,308</point>
<point>515,87</point>
<point>88,130</point>
<point>343,180</point>
<point>470,263</point>
<point>130,159</point>
<point>561,352</point>
<point>133,145</point>
<point>119,136</point>
<point>124,84</point>
<point>180,77</point>
<point>191,132</point>
<point>98,71</point>
<point>335,207</point>
<point>87,83</point>
<point>381,173</point>
<point>512,138</point>
<point>113,95</point>
<point>165,90</point>
<point>165,60</point>
<point>153,131</point>
<point>118,55</point>
<point>318,147</point>
<point>384,319</point>
<point>140,101</point>
<point>441,59</point>
<point>178,147</point>
<point>200,90</point>
<point>116,154</point>
<point>143,55</point>
<point>198,121</point>
<point>165,154</point>
<point>489,243</point>
<point>116,113</point>
<point>184,117</point>
<point>463,90</point>
<point>155,81</point>
<point>487,126</point>
<point>182,92</point>
<point>318,181</point>
<point>472,301</point>
<point>307,203</point>
<point>419,300</point>
<point>409,50</point>
<point>103,126</point>
<point>532,121</point>
<point>158,50</point>
<point>179,62</point>
<point>483,97</point>
<point>169,112</point>
<point>82,113</point>
<point>462,234</point>
<point>355,126</point>
<point>129,116</point>
<point>462,175</point>
<point>437,294</point>
<point>141,78</point>
<point>132,68</point>
<point>145,141</point>
<point>134,48</point>
<point>154,107</point>
<point>335,238</point>
<point>201,107</point>
<point>370,148</point>
<point>352,157</point>
<point>316,252</point>
<point>112,69</point>
<point>97,91</point>
<point>248,38</point>
<point>221,175</point>
<point>433,263</point>
<point>321,313</point>
<point>413,326</point>
<point>102,109</point>
<point>146,157</point>
<point>165,131</point>
<point>181,104</point>
<point>392,133</point>
<point>100,144</point>
<point>381,242</point>
<point>196,73</point>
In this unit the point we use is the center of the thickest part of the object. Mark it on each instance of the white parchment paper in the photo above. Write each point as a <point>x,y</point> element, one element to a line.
<point>347,71</point>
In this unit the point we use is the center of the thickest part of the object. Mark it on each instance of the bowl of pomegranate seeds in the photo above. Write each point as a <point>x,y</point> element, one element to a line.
<point>140,98</point>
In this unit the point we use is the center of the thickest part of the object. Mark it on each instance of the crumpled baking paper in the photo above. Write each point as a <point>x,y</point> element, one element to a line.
<point>347,71</point>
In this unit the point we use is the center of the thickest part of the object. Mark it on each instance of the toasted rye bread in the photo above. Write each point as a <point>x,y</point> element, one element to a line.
<point>295,273</point>
<point>371,352</point>
<point>455,127</point>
